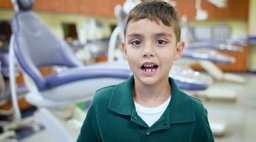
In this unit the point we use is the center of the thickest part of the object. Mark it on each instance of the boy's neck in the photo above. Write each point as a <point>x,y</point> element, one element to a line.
<point>151,96</point>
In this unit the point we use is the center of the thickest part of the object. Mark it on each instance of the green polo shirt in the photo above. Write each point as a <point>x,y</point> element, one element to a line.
<point>112,118</point>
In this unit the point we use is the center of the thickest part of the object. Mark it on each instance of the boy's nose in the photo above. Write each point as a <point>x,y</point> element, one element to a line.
<point>148,51</point>
<point>147,55</point>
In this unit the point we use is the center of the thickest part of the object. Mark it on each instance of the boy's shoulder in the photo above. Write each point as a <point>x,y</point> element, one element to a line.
<point>114,93</point>
<point>198,105</point>
<point>191,98</point>
<point>107,91</point>
<point>104,92</point>
<point>193,102</point>
<point>102,97</point>
<point>108,95</point>
<point>183,97</point>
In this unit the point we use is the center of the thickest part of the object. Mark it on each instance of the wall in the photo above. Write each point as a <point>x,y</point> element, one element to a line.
<point>54,21</point>
<point>235,10</point>
<point>252,17</point>
<point>82,7</point>
<point>252,32</point>
<point>238,27</point>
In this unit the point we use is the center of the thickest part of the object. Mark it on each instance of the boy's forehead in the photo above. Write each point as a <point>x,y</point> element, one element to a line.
<point>147,22</point>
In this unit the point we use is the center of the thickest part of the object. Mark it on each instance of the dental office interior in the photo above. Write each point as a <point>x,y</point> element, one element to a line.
<point>55,54</point>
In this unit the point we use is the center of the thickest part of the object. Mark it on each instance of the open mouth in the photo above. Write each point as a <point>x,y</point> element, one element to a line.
<point>149,67</point>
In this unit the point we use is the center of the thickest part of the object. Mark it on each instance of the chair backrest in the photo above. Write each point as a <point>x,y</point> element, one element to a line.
<point>35,46</point>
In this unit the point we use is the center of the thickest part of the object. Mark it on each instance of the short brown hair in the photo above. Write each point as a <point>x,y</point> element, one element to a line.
<point>156,10</point>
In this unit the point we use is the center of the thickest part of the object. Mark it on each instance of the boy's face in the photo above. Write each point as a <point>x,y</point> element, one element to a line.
<point>150,49</point>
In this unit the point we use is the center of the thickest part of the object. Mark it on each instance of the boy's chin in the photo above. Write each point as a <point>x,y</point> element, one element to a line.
<point>149,81</point>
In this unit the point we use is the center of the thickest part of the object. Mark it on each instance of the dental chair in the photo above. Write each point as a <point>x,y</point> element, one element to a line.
<point>55,95</point>
<point>8,123</point>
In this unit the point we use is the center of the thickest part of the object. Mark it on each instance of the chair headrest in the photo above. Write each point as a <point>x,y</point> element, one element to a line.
<point>24,5</point>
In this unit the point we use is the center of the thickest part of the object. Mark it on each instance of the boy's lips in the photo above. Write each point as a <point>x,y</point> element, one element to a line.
<point>149,68</point>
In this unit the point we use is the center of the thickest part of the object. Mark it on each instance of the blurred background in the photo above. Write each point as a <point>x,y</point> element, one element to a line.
<point>226,26</point>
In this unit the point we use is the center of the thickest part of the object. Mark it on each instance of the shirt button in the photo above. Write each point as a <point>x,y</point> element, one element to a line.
<point>135,117</point>
<point>148,133</point>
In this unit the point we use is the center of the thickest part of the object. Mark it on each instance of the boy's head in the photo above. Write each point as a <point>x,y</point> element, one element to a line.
<point>152,42</point>
<point>156,11</point>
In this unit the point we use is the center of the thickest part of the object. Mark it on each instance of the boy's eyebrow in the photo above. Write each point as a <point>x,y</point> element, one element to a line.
<point>157,34</point>
<point>133,35</point>
<point>163,34</point>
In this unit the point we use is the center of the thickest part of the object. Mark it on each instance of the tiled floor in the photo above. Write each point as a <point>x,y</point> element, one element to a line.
<point>42,136</point>
<point>239,115</point>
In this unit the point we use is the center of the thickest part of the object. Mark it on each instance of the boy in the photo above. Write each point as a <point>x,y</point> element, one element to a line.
<point>148,106</point>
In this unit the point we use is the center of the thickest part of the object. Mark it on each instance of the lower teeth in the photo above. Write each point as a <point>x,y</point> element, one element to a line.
<point>149,70</point>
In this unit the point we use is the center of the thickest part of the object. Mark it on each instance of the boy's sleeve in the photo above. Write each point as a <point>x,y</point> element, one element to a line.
<point>205,130</point>
<point>89,131</point>
<point>202,131</point>
<point>208,131</point>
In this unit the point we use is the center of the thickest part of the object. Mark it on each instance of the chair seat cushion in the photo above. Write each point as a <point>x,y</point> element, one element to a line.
<point>83,73</point>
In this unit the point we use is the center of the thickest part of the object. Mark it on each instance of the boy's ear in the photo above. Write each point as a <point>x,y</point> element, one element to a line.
<point>124,49</point>
<point>179,49</point>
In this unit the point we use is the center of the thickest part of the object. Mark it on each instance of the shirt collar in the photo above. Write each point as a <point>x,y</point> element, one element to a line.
<point>122,98</point>
<point>180,109</point>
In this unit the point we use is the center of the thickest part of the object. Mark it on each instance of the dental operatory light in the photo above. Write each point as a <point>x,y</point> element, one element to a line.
<point>219,3</point>
<point>172,2</point>
<point>22,4</point>
<point>129,4</point>
<point>202,14</point>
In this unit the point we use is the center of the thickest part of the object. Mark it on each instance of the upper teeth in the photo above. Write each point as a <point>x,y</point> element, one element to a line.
<point>149,65</point>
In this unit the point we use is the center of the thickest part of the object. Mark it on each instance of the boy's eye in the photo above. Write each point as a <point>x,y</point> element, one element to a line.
<point>135,42</point>
<point>161,42</point>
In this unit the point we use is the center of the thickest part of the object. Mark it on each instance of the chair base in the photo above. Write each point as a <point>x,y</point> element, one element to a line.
<point>218,129</point>
<point>64,129</point>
